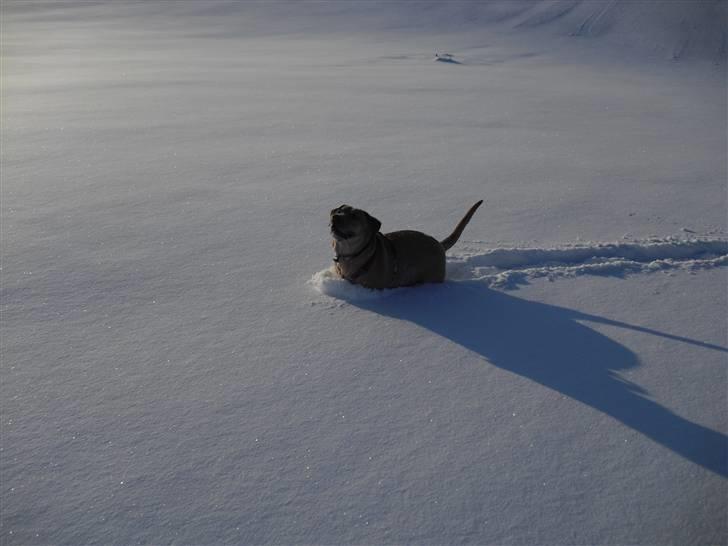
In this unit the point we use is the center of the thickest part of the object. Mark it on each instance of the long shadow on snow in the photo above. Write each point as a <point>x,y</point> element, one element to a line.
<point>548,345</point>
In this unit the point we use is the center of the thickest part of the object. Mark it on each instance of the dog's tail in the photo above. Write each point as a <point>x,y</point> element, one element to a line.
<point>450,240</point>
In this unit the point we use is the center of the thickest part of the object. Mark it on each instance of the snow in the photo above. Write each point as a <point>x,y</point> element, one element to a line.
<point>507,267</point>
<point>329,283</point>
<point>179,364</point>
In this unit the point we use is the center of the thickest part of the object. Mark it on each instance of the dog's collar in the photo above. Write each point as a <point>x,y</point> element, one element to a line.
<point>339,257</point>
<point>366,265</point>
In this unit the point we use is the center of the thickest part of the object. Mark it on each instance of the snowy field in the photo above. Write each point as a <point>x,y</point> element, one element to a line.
<point>180,367</point>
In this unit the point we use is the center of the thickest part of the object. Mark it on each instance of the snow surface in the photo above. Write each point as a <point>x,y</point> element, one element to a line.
<point>180,366</point>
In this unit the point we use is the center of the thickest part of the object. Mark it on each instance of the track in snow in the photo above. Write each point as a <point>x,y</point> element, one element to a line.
<point>507,268</point>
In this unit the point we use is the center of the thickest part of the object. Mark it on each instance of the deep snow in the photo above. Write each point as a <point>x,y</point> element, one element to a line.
<point>177,365</point>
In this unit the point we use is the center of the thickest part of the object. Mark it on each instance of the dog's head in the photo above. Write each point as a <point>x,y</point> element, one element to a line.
<point>352,228</point>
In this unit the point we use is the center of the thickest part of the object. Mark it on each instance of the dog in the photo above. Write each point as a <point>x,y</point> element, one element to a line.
<point>377,260</point>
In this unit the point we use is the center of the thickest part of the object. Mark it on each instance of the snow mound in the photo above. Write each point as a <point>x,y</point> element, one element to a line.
<point>677,29</point>
<point>510,267</point>
<point>330,284</point>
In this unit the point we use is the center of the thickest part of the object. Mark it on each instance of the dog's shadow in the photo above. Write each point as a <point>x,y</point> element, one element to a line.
<point>550,346</point>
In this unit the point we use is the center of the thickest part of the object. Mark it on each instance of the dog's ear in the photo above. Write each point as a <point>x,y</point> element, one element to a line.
<point>376,224</point>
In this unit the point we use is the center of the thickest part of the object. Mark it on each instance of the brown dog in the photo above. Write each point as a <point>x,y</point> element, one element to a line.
<point>388,260</point>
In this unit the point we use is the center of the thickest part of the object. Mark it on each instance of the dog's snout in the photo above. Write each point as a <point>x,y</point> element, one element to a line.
<point>341,210</point>
<point>337,218</point>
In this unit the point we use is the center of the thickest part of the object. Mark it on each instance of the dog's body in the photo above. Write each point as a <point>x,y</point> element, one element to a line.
<point>377,260</point>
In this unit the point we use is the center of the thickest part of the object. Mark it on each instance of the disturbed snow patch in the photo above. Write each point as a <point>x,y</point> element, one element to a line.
<point>509,267</point>
<point>446,58</point>
<point>330,284</point>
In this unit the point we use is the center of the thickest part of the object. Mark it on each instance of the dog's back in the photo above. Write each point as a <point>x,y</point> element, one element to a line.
<point>419,257</point>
